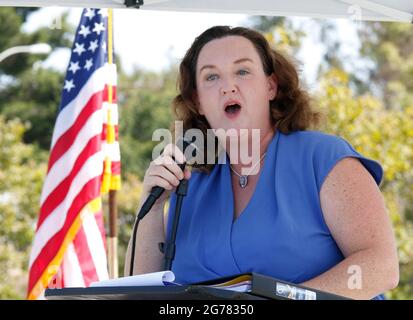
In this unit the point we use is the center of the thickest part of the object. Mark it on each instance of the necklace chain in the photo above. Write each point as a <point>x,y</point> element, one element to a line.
<point>243,179</point>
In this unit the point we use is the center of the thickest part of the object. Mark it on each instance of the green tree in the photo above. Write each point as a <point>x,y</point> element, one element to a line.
<point>390,47</point>
<point>280,31</point>
<point>11,34</point>
<point>144,106</point>
<point>385,56</point>
<point>27,91</point>
<point>34,99</point>
<point>22,168</point>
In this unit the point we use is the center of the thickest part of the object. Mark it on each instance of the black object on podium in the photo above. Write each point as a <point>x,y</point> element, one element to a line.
<point>262,288</point>
<point>190,292</point>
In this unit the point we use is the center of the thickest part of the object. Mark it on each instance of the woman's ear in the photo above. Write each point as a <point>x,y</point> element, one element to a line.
<point>272,86</point>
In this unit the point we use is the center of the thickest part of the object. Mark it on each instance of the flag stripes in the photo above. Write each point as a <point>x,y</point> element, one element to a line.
<point>69,248</point>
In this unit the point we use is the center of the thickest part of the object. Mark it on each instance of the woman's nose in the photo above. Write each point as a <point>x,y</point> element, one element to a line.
<point>228,89</point>
<point>228,86</point>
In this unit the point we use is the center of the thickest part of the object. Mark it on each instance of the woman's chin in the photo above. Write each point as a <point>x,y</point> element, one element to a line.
<point>225,135</point>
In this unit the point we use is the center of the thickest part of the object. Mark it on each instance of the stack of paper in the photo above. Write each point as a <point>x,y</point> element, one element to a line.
<point>162,278</point>
<point>241,283</point>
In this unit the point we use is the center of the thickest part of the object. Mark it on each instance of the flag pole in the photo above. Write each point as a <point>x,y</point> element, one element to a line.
<point>113,235</point>
<point>113,211</point>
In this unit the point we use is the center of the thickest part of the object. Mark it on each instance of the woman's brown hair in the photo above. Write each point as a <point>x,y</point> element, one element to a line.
<point>290,109</point>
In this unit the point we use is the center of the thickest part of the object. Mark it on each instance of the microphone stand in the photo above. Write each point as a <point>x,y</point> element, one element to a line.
<point>168,248</point>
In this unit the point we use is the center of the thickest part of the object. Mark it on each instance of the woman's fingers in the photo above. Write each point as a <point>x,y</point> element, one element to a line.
<point>169,163</point>
<point>154,181</point>
<point>166,174</point>
<point>174,153</point>
<point>164,171</point>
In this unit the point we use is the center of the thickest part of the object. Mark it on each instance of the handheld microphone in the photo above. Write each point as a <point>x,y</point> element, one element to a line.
<point>157,191</point>
<point>154,195</point>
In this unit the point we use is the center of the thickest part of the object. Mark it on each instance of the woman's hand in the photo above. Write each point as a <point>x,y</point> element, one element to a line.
<point>165,172</point>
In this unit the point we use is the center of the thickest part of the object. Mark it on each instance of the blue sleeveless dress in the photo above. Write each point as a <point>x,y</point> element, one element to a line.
<point>281,232</point>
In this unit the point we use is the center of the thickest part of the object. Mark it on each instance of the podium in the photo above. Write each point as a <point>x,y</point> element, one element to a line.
<point>262,288</point>
<point>186,292</point>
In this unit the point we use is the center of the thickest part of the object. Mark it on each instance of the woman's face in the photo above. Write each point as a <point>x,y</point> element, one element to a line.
<point>233,91</point>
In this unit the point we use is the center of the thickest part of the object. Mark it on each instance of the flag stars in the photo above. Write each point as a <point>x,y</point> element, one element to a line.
<point>88,64</point>
<point>90,13</point>
<point>103,13</point>
<point>104,46</point>
<point>68,85</point>
<point>74,66</point>
<point>93,46</point>
<point>99,27</point>
<point>79,48</point>
<point>84,31</point>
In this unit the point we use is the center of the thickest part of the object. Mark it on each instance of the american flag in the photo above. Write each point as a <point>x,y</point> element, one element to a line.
<point>69,247</point>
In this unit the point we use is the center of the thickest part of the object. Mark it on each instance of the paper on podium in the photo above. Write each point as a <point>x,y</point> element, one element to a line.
<point>162,278</point>
<point>240,283</point>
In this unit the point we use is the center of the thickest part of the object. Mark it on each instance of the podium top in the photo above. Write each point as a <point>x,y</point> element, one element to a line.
<point>262,288</point>
<point>186,292</point>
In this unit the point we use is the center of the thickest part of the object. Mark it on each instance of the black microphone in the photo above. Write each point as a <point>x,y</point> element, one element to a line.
<point>157,191</point>
<point>154,195</point>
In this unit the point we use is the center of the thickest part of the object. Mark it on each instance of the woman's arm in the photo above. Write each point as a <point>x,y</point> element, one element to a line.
<point>148,257</point>
<point>355,213</point>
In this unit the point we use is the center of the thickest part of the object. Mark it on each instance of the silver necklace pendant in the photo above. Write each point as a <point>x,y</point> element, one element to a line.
<point>243,181</point>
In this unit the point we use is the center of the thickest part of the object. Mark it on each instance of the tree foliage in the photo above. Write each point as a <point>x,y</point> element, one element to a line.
<point>34,99</point>
<point>281,32</point>
<point>11,21</point>
<point>22,168</point>
<point>145,105</point>
<point>390,47</point>
<point>28,91</point>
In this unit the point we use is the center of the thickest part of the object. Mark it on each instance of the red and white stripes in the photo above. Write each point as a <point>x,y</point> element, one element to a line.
<point>70,231</point>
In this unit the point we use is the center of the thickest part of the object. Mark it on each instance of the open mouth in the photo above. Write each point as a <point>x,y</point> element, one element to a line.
<point>232,108</point>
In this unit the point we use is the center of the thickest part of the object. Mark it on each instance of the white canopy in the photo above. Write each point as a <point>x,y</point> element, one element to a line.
<point>380,10</point>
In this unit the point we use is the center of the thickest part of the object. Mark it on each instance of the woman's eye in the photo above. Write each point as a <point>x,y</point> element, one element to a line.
<point>211,77</point>
<point>243,72</point>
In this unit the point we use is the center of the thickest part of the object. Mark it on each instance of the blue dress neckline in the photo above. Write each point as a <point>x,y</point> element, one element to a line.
<point>227,207</point>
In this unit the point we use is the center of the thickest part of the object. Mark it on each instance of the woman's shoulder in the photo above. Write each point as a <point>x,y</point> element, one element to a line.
<point>310,135</point>
<point>315,140</point>
<point>323,151</point>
